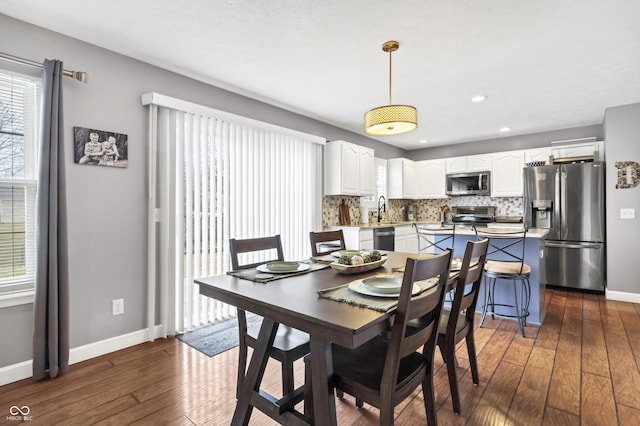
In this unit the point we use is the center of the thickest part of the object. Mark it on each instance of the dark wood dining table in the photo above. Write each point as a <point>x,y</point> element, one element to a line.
<point>294,301</point>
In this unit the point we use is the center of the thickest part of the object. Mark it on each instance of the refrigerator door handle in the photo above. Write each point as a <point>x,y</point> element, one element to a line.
<point>573,246</point>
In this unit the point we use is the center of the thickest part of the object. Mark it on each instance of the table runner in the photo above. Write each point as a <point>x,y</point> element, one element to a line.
<point>250,274</point>
<point>344,294</point>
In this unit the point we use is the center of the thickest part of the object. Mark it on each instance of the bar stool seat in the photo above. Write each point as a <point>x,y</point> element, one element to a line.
<point>506,265</point>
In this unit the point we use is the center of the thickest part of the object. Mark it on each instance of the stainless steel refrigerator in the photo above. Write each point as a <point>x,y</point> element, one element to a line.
<point>569,200</point>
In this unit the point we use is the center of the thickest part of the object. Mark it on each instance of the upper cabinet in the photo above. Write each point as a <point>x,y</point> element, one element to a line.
<point>537,154</point>
<point>506,174</point>
<point>577,151</point>
<point>431,175</point>
<point>367,171</point>
<point>469,163</point>
<point>401,173</point>
<point>348,169</point>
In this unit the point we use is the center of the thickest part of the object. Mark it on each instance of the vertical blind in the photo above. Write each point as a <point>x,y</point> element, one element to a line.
<point>222,179</point>
<point>19,118</point>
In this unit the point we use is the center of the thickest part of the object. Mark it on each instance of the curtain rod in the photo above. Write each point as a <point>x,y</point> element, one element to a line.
<point>77,75</point>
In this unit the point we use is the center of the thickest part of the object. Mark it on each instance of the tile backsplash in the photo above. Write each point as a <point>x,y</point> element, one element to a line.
<point>428,210</point>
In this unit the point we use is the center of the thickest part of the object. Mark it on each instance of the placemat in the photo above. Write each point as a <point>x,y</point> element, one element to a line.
<point>344,294</point>
<point>250,274</point>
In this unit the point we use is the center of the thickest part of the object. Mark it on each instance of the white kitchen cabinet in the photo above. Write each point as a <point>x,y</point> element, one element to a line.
<point>456,164</point>
<point>537,154</point>
<point>348,169</point>
<point>469,163</point>
<point>401,178</point>
<point>506,174</point>
<point>405,239</point>
<point>579,150</point>
<point>366,239</point>
<point>479,163</point>
<point>431,179</point>
<point>367,171</point>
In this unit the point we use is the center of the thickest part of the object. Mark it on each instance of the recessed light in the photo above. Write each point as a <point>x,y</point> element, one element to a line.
<point>423,141</point>
<point>505,129</point>
<point>478,98</point>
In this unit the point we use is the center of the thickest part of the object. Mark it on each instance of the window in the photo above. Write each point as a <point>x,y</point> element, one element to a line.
<point>19,115</point>
<point>370,204</point>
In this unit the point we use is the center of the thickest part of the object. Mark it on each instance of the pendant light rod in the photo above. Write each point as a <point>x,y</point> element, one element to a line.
<point>390,46</point>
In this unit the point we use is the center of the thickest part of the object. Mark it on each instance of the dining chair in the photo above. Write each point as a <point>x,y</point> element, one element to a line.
<point>386,370</point>
<point>457,321</point>
<point>505,262</point>
<point>290,344</point>
<point>326,242</point>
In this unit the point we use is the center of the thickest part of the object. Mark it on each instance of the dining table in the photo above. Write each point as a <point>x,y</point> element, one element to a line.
<point>297,301</point>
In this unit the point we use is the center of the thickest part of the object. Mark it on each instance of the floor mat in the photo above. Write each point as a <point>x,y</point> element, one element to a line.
<point>216,338</point>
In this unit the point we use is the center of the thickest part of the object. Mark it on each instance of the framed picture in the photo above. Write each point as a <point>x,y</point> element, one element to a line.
<point>100,148</point>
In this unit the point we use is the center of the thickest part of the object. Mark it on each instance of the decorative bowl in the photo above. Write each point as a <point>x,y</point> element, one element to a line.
<point>536,163</point>
<point>356,269</point>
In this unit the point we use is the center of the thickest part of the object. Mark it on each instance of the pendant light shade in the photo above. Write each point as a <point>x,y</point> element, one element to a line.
<point>390,119</point>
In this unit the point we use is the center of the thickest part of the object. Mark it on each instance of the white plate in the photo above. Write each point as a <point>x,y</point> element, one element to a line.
<point>349,253</point>
<point>382,284</point>
<point>265,268</point>
<point>358,287</point>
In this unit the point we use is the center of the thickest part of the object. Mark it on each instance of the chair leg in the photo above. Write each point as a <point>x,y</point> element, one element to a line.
<point>287,378</point>
<point>360,403</point>
<point>487,298</point>
<point>473,360</point>
<point>242,368</point>
<point>450,360</point>
<point>429,397</point>
<point>519,313</point>
<point>339,393</point>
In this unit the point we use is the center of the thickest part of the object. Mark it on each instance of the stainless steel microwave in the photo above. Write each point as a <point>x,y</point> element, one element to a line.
<point>473,183</point>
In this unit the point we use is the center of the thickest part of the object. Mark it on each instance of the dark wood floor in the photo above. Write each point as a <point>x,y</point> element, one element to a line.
<point>580,367</point>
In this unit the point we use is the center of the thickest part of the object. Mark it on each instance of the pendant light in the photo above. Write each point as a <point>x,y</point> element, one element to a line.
<point>390,119</point>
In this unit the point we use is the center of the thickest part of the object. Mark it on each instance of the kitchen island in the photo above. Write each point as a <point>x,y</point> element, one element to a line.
<point>533,256</point>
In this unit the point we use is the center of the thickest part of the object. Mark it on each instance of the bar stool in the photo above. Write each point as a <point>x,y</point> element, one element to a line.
<point>433,240</point>
<point>506,263</point>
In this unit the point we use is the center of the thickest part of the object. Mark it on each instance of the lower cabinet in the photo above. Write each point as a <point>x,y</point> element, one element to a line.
<point>406,240</point>
<point>366,239</point>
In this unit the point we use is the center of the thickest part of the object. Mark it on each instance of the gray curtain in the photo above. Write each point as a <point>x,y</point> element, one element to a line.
<point>51,303</point>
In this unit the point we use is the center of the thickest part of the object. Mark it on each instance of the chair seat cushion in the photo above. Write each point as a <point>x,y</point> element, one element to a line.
<point>512,268</point>
<point>365,364</point>
<point>287,339</point>
<point>444,321</point>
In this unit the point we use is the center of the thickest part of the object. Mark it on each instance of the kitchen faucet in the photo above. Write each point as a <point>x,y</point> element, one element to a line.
<point>384,207</point>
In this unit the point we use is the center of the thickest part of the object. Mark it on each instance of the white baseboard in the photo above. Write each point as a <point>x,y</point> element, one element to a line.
<point>23,370</point>
<point>622,296</point>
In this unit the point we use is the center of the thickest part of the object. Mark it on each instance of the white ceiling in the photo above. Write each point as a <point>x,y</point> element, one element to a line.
<point>544,64</point>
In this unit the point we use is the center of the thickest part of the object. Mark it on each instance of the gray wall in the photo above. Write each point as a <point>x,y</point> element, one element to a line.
<point>509,143</point>
<point>622,135</point>
<point>107,206</point>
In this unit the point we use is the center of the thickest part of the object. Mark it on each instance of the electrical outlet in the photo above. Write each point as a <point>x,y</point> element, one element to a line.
<point>627,213</point>
<point>117,307</point>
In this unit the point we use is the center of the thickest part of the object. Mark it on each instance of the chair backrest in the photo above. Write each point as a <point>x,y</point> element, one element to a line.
<point>505,245</point>
<point>439,238</point>
<point>468,286</point>
<point>237,247</point>
<point>421,311</point>
<point>318,238</point>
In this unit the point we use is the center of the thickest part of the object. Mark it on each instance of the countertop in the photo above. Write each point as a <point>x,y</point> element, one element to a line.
<point>460,228</point>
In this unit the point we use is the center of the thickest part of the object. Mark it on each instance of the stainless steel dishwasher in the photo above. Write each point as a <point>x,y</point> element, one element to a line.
<point>384,238</point>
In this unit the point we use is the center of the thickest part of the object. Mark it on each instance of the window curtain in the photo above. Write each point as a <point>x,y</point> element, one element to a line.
<point>51,301</point>
<point>221,176</point>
